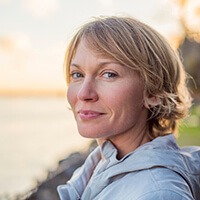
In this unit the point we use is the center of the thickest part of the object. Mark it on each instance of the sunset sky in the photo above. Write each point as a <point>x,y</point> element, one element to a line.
<point>34,34</point>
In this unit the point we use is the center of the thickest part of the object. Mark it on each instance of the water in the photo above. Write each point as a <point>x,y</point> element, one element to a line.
<point>34,134</point>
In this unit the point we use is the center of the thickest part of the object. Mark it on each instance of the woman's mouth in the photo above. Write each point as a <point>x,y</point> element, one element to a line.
<point>89,114</point>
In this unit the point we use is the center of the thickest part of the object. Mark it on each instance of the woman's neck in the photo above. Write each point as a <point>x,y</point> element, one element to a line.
<point>127,142</point>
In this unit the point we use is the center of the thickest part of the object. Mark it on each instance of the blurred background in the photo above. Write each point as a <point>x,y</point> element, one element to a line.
<point>36,127</point>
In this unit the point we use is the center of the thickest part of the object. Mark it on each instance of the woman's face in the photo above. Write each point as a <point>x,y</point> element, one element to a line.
<point>106,97</point>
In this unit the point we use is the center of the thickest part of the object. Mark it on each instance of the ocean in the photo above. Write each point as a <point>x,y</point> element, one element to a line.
<point>35,133</point>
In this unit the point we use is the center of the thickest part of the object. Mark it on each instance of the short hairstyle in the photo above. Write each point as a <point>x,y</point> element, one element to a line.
<point>141,48</point>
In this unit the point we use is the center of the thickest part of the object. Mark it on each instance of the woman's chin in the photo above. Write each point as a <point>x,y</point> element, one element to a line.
<point>90,134</point>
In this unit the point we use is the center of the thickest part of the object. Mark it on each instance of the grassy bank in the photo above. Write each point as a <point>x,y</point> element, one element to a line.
<point>189,131</point>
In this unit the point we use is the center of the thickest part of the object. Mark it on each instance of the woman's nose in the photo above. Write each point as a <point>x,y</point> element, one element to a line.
<point>88,91</point>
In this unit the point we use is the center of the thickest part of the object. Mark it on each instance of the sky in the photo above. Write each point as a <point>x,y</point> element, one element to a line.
<point>34,35</point>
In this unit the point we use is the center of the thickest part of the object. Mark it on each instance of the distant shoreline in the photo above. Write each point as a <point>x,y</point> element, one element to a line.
<point>32,92</point>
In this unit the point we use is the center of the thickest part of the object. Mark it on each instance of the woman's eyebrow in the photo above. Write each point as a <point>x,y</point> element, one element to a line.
<point>74,65</point>
<point>100,64</point>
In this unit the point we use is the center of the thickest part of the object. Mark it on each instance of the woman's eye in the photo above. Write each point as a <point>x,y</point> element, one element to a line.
<point>109,75</point>
<point>76,75</point>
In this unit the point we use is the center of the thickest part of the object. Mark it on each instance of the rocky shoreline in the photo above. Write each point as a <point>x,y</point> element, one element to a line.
<point>46,190</point>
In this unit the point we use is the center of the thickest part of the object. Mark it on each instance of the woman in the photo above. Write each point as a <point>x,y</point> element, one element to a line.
<point>127,89</point>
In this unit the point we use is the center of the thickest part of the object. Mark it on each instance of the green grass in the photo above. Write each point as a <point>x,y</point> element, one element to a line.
<point>189,136</point>
<point>189,131</point>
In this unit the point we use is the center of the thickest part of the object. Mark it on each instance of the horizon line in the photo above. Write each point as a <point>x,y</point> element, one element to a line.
<point>32,92</point>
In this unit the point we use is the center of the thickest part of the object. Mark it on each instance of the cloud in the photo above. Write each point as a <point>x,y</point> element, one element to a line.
<point>18,42</point>
<point>14,52</point>
<point>6,44</point>
<point>40,8</point>
<point>24,67</point>
<point>4,2</point>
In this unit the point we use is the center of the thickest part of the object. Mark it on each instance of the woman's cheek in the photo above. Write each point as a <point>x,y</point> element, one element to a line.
<point>71,96</point>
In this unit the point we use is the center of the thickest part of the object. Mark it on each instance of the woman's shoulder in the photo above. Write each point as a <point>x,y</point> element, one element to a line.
<point>164,195</point>
<point>149,184</point>
<point>154,183</point>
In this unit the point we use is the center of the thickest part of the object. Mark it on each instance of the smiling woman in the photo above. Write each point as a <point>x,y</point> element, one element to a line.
<point>127,89</point>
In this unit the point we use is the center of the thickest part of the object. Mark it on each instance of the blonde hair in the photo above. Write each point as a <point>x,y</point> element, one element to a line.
<point>138,46</point>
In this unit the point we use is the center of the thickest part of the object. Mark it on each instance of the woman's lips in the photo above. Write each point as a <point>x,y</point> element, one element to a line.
<point>89,114</point>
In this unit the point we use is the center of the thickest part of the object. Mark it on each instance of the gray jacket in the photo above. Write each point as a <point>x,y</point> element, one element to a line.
<point>157,170</point>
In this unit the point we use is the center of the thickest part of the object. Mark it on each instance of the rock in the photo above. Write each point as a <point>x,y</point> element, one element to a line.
<point>46,190</point>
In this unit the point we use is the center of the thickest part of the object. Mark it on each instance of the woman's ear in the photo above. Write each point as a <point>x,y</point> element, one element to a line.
<point>151,101</point>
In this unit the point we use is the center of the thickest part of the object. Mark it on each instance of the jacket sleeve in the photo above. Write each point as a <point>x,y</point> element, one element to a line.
<point>165,195</point>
